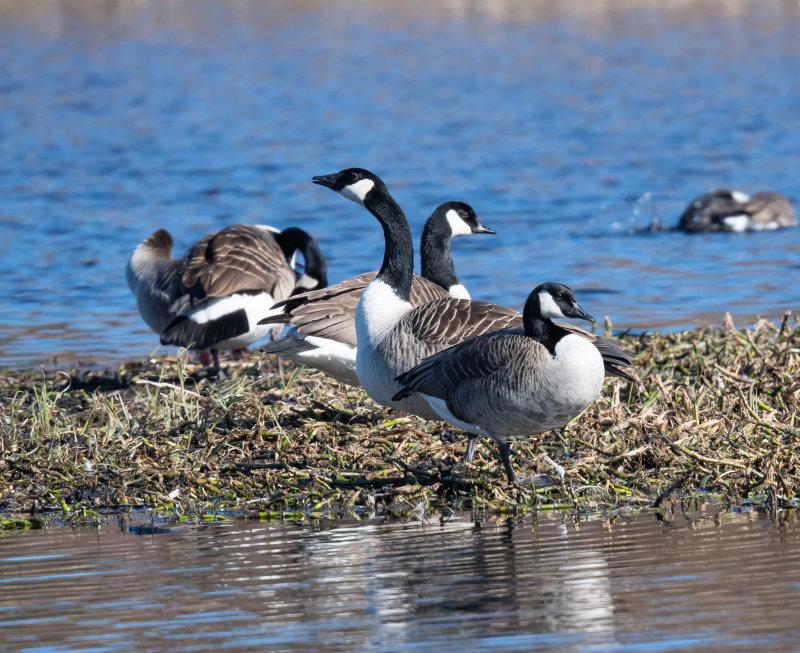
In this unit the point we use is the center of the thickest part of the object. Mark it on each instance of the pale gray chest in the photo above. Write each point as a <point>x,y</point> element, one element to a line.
<point>536,392</point>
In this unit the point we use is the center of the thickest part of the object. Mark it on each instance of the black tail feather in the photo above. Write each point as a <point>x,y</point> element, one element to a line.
<point>185,332</point>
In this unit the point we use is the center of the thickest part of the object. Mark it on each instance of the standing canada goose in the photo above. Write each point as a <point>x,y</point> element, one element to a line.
<point>393,335</point>
<point>323,331</point>
<point>214,297</point>
<point>732,210</point>
<point>514,383</point>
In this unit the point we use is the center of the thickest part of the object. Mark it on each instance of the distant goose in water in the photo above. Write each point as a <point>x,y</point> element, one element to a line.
<point>732,210</point>
<point>514,383</point>
<point>216,294</point>
<point>393,335</point>
<point>323,330</point>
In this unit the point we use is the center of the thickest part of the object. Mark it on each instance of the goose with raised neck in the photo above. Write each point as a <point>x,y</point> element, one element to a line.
<point>392,334</point>
<point>322,331</point>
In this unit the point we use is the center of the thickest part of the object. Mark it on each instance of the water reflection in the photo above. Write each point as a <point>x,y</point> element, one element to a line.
<point>539,583</point>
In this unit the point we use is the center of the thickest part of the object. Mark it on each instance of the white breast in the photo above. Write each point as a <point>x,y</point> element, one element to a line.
<point>379,309</point>
<point>381,354</point>
<point>578,371</point>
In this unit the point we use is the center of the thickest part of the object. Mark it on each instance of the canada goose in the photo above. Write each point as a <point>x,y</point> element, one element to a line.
<point>514,383</point>
<point>214,296</point>
<point>732,210</point>
<point>323,330</point>
<point>394,335</point>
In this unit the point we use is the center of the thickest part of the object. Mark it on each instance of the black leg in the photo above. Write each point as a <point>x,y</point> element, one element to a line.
<point>219,373</point>
<point>538,481</point>
<point>504,449</point>
<point>469,454</point>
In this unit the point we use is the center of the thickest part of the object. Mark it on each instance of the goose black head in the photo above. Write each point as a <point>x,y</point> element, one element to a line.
<point>555,300</point>
<point>461,219</point>
<point>315,270</point>
<point>356,184</point>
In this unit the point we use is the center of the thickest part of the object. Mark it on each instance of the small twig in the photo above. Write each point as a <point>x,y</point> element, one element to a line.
<point>161,384</point>
<point>741,378</point>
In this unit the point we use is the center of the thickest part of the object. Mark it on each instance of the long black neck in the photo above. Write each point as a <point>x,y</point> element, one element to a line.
<point>437,262</point>
<point>542,329</point>
<point>294,239</point>
<point>398,259</point>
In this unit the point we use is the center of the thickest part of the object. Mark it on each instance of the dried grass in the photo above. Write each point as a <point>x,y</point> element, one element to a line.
<point>715,413</point>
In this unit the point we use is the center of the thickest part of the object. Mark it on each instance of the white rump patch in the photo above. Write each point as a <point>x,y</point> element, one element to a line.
<point>739,196</point>
<point>257,307</point>
<point>439,406</point>
<point>458,291</point>
<point>548,305</point>
<point>336,359</point>
<point>737,223</point>
<point>457,224</point>
<point>357,192</point>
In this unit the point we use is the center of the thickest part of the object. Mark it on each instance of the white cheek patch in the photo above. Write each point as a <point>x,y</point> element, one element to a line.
<point>357,192</point>
<point>548,306</point>
<point>458,291</point>
<point>457,224</point>
<point>740,197</point>
<point>307,282</point>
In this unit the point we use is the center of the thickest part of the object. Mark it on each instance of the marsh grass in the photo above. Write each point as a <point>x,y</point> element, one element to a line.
<point>715,413</point>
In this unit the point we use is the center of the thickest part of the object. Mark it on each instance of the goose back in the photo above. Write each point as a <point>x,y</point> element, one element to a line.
<point>330,312</point>
<point>770,211</point>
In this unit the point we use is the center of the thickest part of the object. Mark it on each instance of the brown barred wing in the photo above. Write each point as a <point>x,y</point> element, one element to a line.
<point>446,322</point>
<point>331,312</point>
<point>237,259</point>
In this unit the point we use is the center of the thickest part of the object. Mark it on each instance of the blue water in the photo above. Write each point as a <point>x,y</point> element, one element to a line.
<point>569,130</point>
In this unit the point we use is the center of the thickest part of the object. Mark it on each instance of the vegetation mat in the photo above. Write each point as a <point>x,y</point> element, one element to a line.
<point>714,413</point>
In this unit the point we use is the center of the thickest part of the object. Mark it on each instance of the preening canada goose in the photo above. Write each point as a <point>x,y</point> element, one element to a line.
<point>514,383</point>
<point>215,295</point>
<point>323,332</point>
<point>154,279</point>
<point>727,210</point>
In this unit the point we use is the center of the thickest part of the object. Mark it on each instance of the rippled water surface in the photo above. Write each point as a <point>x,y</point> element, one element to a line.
<point>710,582</point>
<point>568,126</point>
